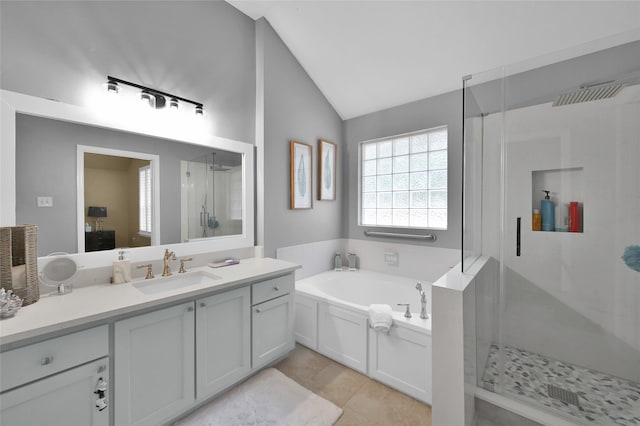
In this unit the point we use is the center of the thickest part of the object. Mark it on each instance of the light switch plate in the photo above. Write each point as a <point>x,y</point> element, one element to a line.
<point>45,201</point>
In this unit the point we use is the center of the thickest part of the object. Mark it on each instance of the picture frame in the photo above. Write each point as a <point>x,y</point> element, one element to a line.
<point>327,160</point>
<point>301,173</point>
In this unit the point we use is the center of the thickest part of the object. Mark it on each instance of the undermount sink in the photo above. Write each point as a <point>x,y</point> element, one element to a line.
<point>174,282</point>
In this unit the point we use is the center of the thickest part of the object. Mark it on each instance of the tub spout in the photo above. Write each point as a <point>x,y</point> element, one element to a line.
<point>423,301</point>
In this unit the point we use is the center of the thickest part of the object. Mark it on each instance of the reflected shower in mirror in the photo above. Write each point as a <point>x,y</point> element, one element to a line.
<point>212,195</point>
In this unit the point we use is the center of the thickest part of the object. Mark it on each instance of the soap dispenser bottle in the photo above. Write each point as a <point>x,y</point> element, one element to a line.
<point>548,213</point>
<point>121,269</point>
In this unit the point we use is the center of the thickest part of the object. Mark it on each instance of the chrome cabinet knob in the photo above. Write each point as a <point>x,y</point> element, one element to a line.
<point>276,288</point>
<point>258,310</point>
<point>190,309</point>
<point>202,304</point>
<point>46,360</point>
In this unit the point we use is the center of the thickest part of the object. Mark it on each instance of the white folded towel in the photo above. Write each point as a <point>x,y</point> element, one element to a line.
<point>380,317</point>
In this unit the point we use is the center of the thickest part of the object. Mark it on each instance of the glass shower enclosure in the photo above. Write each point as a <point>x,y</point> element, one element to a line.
<point>211,196</point>
<point>559,327</point>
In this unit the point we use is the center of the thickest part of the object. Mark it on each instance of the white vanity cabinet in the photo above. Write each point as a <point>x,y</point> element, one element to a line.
<point>136,357</point>
<point>154,365</point>
<point>223,341</point>
<point>64,399</point>
<point>272,319</point>
<point>169,360</point>
<point>56,382</point>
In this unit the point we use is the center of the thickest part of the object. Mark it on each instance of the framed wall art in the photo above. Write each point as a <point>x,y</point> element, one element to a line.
<point>327,153</point>
<point>301,175</point>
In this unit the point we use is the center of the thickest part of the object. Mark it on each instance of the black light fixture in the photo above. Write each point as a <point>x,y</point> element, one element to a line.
<point>155,98</point>
<point>112,86</point>
<point>147,97</point>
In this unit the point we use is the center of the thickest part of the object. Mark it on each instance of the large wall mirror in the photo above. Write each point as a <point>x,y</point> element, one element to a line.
<point>94,183</point>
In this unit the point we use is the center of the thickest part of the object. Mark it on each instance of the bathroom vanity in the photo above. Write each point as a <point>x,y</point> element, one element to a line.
<point>149,351</point>
<point>146,352</point>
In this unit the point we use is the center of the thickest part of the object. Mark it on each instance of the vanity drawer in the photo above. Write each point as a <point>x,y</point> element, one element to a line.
<point>32,362</point>
<point>272,288</point>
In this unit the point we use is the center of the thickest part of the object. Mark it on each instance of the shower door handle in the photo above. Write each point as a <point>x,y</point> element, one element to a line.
<point>518,223</point>
<point>204,218</point>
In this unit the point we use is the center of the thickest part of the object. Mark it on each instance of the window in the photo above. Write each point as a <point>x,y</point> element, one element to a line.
<point>144,195</point>
<point>403,181</point>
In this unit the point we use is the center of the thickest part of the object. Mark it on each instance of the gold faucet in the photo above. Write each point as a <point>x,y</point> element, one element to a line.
<point>168,256</point>
<point>149,271</point>
<point>182,268</point>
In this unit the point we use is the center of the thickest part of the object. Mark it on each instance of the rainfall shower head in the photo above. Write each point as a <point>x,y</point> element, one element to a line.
<point>220,168</point>
<point>590,92</point>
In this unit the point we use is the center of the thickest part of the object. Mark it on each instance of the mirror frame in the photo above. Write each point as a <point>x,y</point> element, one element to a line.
<point>13,103</point>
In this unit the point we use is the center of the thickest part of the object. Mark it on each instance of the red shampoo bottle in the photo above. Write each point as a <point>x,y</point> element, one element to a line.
<point>574,217</point>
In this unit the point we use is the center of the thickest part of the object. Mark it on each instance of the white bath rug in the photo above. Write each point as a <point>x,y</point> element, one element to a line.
<point>269,398</point>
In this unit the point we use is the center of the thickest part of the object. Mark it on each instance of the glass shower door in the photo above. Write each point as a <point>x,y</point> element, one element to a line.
<point>566,324</point>
<point>201,216</point>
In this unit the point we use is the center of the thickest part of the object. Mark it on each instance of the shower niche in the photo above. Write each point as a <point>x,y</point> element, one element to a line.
<point>211,195</point>
<point>565,186</point>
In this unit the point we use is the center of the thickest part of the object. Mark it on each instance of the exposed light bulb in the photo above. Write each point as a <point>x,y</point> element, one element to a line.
<point>147,98</point>
<point>112,87</point>
<point>199,111</point>
<point>173,104</point>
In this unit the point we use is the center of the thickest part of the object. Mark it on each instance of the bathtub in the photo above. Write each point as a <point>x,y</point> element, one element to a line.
<point>332,318</point>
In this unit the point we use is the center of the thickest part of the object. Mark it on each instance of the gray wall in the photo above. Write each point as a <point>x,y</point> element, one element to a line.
<point>294,108</point>
<point>436,111</point>
<point>200,50</point>
<point>46,166</point>
<point>207,51</point>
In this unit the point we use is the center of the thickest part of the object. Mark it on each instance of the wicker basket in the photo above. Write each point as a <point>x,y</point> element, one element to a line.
<point>19,247</point>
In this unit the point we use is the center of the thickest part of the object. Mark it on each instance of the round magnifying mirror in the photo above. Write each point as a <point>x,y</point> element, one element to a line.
<point>60,273</point>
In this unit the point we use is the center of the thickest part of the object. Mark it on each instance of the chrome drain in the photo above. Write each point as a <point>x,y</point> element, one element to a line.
<point>566,396</point>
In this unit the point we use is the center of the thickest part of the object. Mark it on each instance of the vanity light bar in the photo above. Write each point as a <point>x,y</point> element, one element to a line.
<point>156,98</point>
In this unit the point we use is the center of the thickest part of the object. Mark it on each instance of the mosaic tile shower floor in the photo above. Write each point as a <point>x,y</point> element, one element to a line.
<point>603,400</point>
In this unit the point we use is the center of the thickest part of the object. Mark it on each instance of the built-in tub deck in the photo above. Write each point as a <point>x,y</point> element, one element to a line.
<point>332,318</point>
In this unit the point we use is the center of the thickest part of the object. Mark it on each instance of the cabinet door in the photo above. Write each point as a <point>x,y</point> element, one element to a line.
<point>154,365</point>
<point>62,399</point>
<point>272,324</point>
<point>402,359</point>
<point>342,336</point>
<point>223,336</point>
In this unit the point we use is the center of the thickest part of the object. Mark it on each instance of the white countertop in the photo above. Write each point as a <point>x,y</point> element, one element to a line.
<point>103,302</point>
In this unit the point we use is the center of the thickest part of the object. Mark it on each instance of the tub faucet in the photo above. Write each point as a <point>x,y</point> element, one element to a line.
<point>351,257</point>
<point>423,301</point>
<point>337,262</point>
<point>168,256</point>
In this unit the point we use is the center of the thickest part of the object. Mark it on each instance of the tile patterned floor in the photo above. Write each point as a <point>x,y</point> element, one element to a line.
<point>363,400</point>
<point>603,400</point>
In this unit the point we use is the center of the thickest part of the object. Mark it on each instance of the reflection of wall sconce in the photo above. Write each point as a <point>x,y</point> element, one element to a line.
<point>98,213</point>
<point>154,98</point>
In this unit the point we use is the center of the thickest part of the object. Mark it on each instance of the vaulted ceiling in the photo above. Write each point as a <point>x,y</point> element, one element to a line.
<point>367,56</point>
